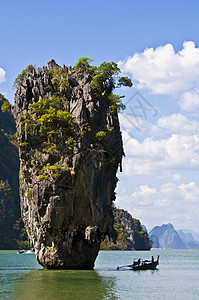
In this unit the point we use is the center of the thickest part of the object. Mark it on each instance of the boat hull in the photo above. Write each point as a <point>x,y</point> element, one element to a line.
<point>145,266</point>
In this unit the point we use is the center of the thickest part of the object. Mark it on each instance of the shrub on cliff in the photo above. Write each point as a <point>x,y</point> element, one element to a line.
<point>105,79</point>
<point>130,234</point>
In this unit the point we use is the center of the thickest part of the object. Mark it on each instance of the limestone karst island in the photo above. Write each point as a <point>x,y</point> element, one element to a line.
<point>70,148</point>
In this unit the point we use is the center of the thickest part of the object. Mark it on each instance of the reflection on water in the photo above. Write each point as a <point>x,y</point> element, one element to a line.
<point>64,284</point>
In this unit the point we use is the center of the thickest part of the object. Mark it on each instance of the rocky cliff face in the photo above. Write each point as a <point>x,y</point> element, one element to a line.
<point>130,233</point>
<point>9,188</point>
<point>167,237</point>
<point>70,149</point>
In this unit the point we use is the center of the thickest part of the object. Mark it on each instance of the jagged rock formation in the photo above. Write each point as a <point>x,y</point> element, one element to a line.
<point>188,239</point>
<point>154,241</point>
<point>70,149</point>
<point>167,237</point>
<point>130,233</point>
<point>194,234</point>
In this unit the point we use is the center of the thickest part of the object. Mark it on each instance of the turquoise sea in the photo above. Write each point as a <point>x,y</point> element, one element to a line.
<point>177,277</point>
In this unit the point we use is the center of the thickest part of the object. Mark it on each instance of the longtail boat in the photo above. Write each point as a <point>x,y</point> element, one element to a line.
<point>141,264</point>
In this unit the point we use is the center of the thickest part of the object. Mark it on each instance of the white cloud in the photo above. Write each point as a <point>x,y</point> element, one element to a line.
<point>129,123</point>
<point>170,153</point>
<point>175,203</point>
<point>163,71</point>
<point>172,177</point>
<point>176,149</point>
<point>2,75</point>
<point>177,124</point>
<point>176,177</point>
<point>151,156</point>
<point>190,192</point>
<point>144,195</point>
<point>189,101</point>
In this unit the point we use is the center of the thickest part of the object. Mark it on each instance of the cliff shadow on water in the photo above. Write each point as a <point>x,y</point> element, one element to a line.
<point>70,147</point>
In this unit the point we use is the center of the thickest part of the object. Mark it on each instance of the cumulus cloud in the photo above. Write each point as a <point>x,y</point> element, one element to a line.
<point>177,124</point>
<point>171,151</point>
<point>163,71</point>
<point>169,176</point>
<point>177,152</point>
<point>189,101</point>
<point>172,145</point>
<point>128,122</point>
<point>175,203</point>
<point>2,75</point>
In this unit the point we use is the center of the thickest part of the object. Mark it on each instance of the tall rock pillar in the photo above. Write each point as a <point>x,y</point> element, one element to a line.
<point>70,149</point>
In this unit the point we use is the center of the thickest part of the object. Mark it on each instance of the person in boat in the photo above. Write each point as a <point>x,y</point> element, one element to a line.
<point>137,262</point>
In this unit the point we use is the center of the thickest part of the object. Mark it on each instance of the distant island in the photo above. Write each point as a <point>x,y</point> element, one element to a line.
<point>166,237</point>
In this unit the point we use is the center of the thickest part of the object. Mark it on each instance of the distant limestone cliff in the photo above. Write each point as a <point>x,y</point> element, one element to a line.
<point>167,237</point>
<point>130,233</point>
<point>188,238</point>
<point>70,148</point>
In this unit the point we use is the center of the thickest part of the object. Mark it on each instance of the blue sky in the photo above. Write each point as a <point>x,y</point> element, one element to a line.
<point>156,44</point>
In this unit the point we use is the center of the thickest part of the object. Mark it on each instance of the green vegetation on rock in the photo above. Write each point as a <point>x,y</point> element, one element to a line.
<point>83,64</point>
<point>129,231</point>
<point>48,126</point>
<point>23,74</point>
<point>46,123</point>
<point>5,107</point>
<point>11,226</point>
<point>105,79</point>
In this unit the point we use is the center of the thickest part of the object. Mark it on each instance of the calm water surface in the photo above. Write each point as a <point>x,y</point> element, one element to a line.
<point>21,277</point>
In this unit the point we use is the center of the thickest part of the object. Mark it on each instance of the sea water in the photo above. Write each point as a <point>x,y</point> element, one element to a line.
<point>177,277</point>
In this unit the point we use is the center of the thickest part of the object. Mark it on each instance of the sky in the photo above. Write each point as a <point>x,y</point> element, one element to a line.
<point>156,43</point>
